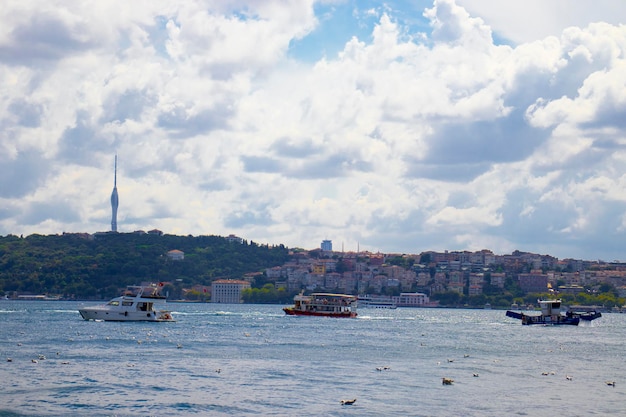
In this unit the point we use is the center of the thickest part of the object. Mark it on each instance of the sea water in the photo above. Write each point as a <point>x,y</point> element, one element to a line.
<point>245,360</point>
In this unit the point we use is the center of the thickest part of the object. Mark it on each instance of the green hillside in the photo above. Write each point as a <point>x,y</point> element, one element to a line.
<point>96,267</point>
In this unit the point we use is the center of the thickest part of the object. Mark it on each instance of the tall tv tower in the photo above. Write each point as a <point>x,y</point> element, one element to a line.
<point>114,200</point>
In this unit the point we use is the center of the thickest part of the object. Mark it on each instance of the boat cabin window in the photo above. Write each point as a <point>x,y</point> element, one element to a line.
<point>113,303</point>
<point>127,303</point>
<point>144,306</point>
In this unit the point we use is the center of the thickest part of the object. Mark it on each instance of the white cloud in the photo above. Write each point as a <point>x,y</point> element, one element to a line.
<point>402,142</point>
<point>526,21</point>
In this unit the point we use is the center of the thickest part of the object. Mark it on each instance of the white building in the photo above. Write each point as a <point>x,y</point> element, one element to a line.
<point>234,239</point>
<point>228,290</point>
<point>411,299</point>
<point>176,255</point>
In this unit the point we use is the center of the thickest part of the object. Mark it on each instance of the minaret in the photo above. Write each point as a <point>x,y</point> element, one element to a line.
<point>114,200</point>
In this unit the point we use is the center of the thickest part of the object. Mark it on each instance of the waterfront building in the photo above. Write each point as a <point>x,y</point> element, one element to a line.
<point>411,299</point>
<point>228,291</point>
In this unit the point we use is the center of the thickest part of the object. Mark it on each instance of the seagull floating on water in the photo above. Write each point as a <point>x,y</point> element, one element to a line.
<point>348,402</point>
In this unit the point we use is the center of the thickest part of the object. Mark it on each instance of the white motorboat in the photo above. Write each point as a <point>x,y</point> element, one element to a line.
<point>138,303</point>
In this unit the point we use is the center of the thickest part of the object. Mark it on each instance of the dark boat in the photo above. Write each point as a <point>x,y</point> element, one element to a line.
<point>551,315</point>
<point>586,314</point>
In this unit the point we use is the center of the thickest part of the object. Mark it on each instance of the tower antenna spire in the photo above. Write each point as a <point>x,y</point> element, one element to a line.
<point>114,199</point>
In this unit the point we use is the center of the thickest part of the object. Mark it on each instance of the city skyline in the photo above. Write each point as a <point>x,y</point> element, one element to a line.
<point>398,127</point>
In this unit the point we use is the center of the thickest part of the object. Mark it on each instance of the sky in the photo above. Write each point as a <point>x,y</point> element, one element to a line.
<point>399,126</point>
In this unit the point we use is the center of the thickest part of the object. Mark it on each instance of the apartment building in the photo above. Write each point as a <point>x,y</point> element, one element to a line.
<point>533,282</point>
<point>228,291</point>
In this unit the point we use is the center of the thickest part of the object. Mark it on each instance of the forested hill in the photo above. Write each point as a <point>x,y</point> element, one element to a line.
<point>93,267</point>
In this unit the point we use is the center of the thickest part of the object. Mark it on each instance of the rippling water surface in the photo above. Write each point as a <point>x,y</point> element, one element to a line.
<point>244,360</point>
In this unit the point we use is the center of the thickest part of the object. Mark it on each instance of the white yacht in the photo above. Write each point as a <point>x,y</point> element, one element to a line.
<point>138,303</point>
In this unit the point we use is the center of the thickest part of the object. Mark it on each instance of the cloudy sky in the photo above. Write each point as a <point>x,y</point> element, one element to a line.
<point>402,126</point>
